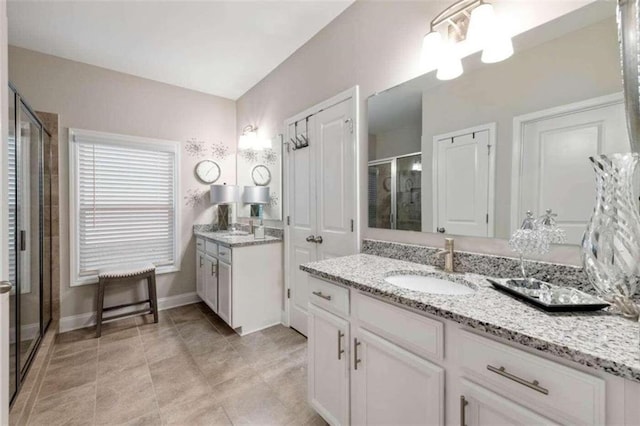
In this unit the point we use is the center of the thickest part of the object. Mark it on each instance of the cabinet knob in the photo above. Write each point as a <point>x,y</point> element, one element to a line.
<point>311,239</point>
<point>441,230</point>
<point>318,240</point>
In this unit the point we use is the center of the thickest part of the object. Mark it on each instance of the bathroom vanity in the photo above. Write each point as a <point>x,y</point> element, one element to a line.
<point>240,278</point>
<point>381,353</point>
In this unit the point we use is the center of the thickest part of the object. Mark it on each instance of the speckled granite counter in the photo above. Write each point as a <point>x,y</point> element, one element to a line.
<point>599,340</point>
<point>233,241</point>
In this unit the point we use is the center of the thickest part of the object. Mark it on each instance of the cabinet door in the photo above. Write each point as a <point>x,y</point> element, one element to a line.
<point>225,291</point>
<point>481,407</point>
<point>200,274</point>
<point>390,385</point>
<point>328,366</point>
<point>211,282</point>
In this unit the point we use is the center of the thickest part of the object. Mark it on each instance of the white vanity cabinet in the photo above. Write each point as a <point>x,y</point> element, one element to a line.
<point>356,376</point>
<point>328,366</point>
<point>211,282</point>
<point>376,362</point>
<point>242,284</point>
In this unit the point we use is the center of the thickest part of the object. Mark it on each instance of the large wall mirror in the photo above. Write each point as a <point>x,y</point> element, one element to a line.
<point>471,156</point>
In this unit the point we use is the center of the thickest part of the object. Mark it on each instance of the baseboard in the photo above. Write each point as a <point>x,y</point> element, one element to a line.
<point>88,319</point>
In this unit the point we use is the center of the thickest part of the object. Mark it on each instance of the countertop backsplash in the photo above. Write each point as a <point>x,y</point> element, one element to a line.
<point>484,264</point>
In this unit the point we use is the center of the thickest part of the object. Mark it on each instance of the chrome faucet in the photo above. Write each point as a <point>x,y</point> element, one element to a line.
<point>448,254</point>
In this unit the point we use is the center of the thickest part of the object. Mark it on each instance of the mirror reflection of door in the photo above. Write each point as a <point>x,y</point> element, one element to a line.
<point>463,183</point>
<point>554,171</point>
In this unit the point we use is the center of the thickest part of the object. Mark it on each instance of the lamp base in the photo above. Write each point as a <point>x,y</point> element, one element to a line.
<point>223,217</point>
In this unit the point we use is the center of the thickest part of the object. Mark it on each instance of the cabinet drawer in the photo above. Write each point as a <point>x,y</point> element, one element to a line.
<point>211,248</point>
<point>562,393</point>
<point>224,254</point>
<point>199,244</point>
<point>329,296</point>
<point>420,335</point>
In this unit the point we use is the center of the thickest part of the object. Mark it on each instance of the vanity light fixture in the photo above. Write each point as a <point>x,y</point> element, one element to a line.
<point>471,20</point>
<point>250,140</point>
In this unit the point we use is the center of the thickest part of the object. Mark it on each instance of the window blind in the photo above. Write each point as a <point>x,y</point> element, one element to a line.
<point>125,196</point>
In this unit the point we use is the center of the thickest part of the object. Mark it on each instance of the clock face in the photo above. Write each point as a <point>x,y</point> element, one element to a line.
<point>261,175</point>
<point>207,171</point>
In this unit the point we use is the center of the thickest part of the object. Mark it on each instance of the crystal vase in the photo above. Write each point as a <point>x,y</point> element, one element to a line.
<point>611,243</point>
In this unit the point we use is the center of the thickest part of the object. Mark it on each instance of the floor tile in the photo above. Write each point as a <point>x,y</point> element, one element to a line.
<point>117,356</point>
<point>164,346</point>
<point>201,336</point>
<point>202,411</point>
<point>185,313</point>
<point>123,396</point>
<point>257,405</point>
<point>68,372</point>
<point>222,365</point>
<point>177,380</point>
<point>149,419</point>
<point>145,322</point>
<point>71,407</point>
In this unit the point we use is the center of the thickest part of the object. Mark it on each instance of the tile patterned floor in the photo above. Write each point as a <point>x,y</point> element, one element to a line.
<point>189,369</point>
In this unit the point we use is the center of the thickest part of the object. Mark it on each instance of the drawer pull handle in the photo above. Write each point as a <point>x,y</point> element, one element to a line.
<point>319,294</point>
<point>463,411</point>
<point>535,385</point>
<point>340,350</point>
<point>356,360</point>
<point>201,261</point>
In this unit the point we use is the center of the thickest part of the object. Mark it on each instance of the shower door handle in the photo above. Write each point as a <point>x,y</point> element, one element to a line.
<point>5,287</point>
<point>23,240</point>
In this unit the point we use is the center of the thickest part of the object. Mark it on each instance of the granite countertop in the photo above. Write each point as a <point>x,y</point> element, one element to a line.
<point>223,238</point>
<point>599,340</point>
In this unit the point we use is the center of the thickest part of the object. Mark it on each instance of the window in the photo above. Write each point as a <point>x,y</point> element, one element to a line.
<point>124,193</point>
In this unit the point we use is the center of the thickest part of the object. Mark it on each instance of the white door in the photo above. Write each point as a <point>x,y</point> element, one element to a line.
<point>554,169</point>
<point>328,367</point>
<point>462,184</point>
<point>336,190</point>
<point>211,282</point>
<point>481,407</point>
<point>224,292</point>
<point>200,274</point>
<point>303,224</point>
<point>321,198</point>
<point>391,386</point>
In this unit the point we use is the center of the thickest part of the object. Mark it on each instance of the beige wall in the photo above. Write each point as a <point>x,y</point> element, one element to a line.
<point>376,45</point>
<point>89,97</point>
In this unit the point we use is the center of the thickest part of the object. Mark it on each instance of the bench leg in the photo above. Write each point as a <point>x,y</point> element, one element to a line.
<point>100,307</point>
<point>151,281</point>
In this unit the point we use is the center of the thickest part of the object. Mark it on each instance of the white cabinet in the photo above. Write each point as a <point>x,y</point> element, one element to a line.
<point>481,407</point>
<point>390,385</point>
<point>200,274</point>
<point>211,282</point>
<point>328,367</point>
<point>224,292</point>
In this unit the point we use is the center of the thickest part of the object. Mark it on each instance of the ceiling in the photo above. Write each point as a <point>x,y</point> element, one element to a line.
<point>218,47</point>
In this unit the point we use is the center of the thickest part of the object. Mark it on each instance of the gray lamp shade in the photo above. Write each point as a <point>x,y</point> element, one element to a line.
<point>225,194</point>
<point>256,195</point>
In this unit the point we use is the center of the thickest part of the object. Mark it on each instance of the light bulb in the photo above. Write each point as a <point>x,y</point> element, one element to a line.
<point>450,65</point>
<point>498,48</point>
<point>432,46</point>
<point>482,24</point>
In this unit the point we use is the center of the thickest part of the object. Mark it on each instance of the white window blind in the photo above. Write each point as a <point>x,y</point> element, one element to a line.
<point>125,202</point>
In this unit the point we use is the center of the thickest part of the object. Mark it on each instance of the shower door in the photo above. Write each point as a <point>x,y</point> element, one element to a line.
<point>29,235</point>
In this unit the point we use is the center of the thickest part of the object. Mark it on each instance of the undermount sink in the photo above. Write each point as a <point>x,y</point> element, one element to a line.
<point>429,284</point>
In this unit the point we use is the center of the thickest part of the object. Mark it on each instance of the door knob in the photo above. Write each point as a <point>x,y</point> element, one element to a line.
<point>311,239</point>
<point>318,240</point>
<point>441,230</point>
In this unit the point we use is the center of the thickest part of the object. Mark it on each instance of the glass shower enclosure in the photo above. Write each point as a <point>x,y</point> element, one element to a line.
<point>395,193</point>
<point>29,155</point>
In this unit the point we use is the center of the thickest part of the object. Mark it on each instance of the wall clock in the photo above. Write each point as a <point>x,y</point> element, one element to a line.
<point>207,171</point>
<point>261,175</point>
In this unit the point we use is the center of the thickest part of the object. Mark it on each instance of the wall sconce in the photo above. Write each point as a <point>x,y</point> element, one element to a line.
<point>250,140</point>
<point>472,20</point>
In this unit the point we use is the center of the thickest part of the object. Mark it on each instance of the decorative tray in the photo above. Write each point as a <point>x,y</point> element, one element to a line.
<point>549,297</point>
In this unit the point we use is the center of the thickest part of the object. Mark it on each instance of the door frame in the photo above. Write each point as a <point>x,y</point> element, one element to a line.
<point>519,124</point>
<point>351,93</point>
<point>491,189</point>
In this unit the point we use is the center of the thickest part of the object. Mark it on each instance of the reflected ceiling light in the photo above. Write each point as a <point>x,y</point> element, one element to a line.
<point>250,140</point>
<point>471,20</point>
